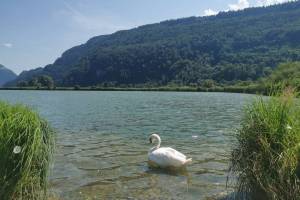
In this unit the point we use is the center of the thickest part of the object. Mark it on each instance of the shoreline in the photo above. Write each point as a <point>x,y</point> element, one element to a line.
<point>229,89</point>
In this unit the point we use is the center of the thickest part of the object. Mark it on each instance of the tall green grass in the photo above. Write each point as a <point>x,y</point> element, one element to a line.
<point>266,160</point>
<point>26,148</point>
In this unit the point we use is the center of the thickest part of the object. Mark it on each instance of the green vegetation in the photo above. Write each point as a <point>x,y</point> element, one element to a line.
<point>228,48</point>
<point>266,160</point>
<point>234,89</point>
<point>38,82</point>
<point>26,147</point>
<point>287,74</point>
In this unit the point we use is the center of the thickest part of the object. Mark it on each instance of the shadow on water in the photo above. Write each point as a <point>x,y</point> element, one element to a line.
<point>173,171</point>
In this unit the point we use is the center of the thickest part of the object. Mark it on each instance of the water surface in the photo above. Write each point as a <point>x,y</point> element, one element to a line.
<point>102,141</point>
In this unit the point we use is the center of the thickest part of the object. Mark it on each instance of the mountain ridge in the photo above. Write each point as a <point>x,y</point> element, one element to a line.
<point>228,47</point>
<point>6,75</point>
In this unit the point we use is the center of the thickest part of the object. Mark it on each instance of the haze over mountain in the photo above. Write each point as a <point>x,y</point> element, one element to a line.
<point>6,75</point>
<point>229,47</point>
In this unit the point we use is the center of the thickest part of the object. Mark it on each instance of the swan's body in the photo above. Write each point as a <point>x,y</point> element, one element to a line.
<point>166,156</point>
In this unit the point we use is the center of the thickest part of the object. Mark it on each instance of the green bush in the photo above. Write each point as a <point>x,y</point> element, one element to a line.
<point>267,157</point>
<point>26,148</point>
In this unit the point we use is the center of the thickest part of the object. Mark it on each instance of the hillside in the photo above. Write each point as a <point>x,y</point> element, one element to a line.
<point>6,75</point>
<point>229,47</point>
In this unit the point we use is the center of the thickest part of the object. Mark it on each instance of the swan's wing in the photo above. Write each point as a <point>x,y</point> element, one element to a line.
<point>175,153</point>
<point>167,157</point>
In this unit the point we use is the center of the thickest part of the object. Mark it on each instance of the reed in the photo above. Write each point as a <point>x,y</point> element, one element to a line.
<point>26,149</point>
<point>266,160</point>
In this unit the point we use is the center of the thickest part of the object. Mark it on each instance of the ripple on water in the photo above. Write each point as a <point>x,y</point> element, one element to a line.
<point>111,167</point>
<point>102,141</point>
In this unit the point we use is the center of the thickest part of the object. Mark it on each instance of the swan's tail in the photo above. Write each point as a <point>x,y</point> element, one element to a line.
<point>188,161</point>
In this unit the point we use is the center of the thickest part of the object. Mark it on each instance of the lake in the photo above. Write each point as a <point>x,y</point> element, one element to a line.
<point>102,141</point>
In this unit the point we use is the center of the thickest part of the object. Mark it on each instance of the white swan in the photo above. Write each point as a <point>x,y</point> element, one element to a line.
<point>165,156</point>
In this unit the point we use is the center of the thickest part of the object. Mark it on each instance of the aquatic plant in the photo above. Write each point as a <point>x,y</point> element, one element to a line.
<point>26,148</point>
<point>266,160</point>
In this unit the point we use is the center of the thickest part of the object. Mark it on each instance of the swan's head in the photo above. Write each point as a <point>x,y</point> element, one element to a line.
<point>153,137</point>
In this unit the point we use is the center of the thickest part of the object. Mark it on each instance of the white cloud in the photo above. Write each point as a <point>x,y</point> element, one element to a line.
<point>209,12</point>
<point>241,4</point>
<point>8,45</point>
<point>270,2</point>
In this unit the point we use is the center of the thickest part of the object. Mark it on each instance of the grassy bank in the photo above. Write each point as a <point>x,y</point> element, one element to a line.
<point>266,160</point>
<point>252,89</point>
<point>26,147</point>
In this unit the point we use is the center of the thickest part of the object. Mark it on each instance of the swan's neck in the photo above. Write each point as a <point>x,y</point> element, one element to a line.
<point>158,143</point>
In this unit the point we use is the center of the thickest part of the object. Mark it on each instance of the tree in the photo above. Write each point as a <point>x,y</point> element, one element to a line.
<point>46,81</point>
<point>22,84</point>
<point>208,83</point>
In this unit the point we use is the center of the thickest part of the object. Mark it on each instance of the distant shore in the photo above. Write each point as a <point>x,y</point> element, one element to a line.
<point>231,89</point>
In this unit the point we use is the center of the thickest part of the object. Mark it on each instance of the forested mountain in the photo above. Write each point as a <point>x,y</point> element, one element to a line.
<point>6,75</point>
<point>228,47</point>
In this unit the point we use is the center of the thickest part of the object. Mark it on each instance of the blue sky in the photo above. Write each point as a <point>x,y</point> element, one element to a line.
<point>36,32</point>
